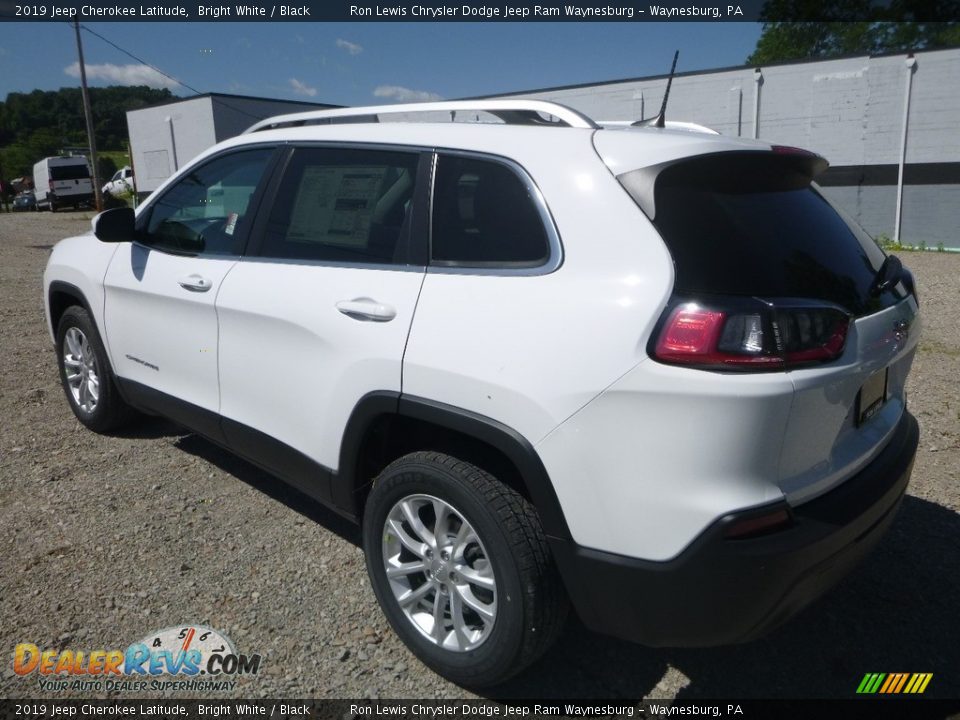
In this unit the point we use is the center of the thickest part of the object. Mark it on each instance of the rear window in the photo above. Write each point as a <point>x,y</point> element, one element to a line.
<point>751,224</point>
<point>69,172</point>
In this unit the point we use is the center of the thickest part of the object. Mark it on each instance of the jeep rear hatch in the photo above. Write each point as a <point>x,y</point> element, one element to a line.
<point>769,276</point>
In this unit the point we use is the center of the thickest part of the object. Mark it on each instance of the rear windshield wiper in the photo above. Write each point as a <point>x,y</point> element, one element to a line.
<point>887,277</point>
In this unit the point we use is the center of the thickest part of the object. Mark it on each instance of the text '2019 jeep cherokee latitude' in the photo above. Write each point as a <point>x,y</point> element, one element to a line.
<point>651,371</point>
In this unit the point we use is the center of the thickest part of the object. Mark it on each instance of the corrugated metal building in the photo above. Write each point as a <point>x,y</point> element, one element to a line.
<point>850,110</point>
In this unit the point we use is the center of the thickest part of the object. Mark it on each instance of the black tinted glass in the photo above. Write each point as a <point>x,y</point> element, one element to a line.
<point>343,205</point>
<point>69,172</point>
<point>753,225</point>
<point>484,215</point>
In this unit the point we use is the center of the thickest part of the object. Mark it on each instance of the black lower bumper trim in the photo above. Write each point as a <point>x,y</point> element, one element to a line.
<point>721,591</point>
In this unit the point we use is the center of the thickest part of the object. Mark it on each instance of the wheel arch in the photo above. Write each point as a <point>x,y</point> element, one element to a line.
<point>386,425</point>
<point>60,296</point>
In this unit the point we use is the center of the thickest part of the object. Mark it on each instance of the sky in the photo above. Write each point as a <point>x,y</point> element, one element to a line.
<point>363,63</point>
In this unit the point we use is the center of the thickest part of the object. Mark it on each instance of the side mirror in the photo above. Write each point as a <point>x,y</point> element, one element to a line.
<point>116,225</point>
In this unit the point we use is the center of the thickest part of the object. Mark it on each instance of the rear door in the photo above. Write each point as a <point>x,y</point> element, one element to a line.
<point>161,287</point>
<point>69,178</point>
<point>317,314</point>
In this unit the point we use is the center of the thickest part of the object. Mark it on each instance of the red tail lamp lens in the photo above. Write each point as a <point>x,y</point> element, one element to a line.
<point>761,336</point>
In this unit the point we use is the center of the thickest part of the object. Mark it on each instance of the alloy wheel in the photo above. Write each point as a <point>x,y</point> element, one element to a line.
<point>81,371</point>
<point>439,572</point>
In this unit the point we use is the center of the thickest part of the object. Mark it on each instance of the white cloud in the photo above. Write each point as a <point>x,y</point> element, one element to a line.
<point>123,75</point>
<point>352,48</point>
<point>398,93</point>
<point>301,88</point>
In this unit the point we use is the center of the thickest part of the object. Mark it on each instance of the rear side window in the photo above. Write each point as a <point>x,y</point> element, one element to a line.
<point>343,205</point>
<point>78,171</point>
<point>484,215</point>
<point>751,224</point>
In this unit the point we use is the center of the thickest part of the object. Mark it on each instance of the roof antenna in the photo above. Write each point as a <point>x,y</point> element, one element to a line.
<point>659,120</point>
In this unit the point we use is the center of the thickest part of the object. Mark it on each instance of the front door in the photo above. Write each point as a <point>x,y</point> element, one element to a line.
<point>161,288</point>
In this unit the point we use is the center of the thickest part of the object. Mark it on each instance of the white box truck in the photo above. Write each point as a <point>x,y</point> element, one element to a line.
<point>62,181</point>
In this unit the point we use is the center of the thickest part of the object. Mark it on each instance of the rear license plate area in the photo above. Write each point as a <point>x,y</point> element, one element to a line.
<point>872,396</point>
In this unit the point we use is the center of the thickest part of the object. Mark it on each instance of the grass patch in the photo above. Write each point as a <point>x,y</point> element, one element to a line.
<point>889,245</point>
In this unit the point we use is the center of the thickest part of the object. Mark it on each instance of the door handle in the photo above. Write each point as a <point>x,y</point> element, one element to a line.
<point>195,283</point>
<point>366,309</point>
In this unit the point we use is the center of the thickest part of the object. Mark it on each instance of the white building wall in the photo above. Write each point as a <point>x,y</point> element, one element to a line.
<point>166,137</point>
<point>197,124</point>
<point>850,110</point>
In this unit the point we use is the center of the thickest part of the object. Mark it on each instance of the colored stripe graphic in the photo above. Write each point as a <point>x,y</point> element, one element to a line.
<point>891,679</point>
<point>903,680</point>
<point>894,683</point>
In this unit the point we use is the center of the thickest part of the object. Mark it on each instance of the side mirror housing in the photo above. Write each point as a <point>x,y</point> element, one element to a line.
<point>115,225</point>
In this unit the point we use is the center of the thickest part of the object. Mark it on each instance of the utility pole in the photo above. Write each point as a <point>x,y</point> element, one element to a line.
<point>89,116</point>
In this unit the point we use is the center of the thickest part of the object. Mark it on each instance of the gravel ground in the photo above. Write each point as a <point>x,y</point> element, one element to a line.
<point>111,538</point>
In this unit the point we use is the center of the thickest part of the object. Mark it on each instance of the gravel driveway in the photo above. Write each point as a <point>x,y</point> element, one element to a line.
<point>110,538</point>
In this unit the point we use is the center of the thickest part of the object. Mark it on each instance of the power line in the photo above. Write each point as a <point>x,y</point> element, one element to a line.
<point>141,60</point>
<point>171,77</point>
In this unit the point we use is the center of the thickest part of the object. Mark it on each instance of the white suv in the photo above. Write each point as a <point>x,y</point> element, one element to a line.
<point>651,371</point>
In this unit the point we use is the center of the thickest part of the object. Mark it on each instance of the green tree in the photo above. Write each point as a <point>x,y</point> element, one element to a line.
<point>815,29</point>
<point>39,123</point>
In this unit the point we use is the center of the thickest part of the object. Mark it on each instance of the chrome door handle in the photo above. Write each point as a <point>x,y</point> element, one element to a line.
<point>366,309</point>
<point>195,283</point>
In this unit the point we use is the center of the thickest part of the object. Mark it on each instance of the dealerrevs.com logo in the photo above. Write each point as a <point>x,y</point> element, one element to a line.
<point>190,657</point>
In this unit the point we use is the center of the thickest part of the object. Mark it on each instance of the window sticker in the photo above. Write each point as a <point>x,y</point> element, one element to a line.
<point>334,205</point>
<point>231,223</point>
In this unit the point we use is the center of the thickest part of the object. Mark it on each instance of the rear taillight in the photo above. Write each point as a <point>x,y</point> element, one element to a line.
<point>751,334</point>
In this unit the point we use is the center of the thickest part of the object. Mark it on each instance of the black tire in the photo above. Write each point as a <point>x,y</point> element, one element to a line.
<point>110,411</point>
<point>531,604</point>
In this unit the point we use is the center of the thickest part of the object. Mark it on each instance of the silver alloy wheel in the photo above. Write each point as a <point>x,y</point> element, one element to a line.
<point>439,572</point>
<point>81,371</point>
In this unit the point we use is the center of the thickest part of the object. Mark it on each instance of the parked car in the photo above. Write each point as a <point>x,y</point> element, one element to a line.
<point>62,181</point>
<point>25,201</point>
<point>120,183</point>
<point>652,371</point>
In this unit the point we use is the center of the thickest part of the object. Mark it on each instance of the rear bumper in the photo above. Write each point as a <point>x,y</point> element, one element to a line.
<point>70,199</point>
<point>720,591</point>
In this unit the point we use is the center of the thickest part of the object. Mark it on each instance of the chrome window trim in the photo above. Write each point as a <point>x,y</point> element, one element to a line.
<point>554,258</point>
<point>331,263</point>
<point>552,263</point>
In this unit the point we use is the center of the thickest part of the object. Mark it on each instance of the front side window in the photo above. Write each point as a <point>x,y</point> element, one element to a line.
<point>484,215</point>
<point>206,211</point>
<point>343,205</point>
